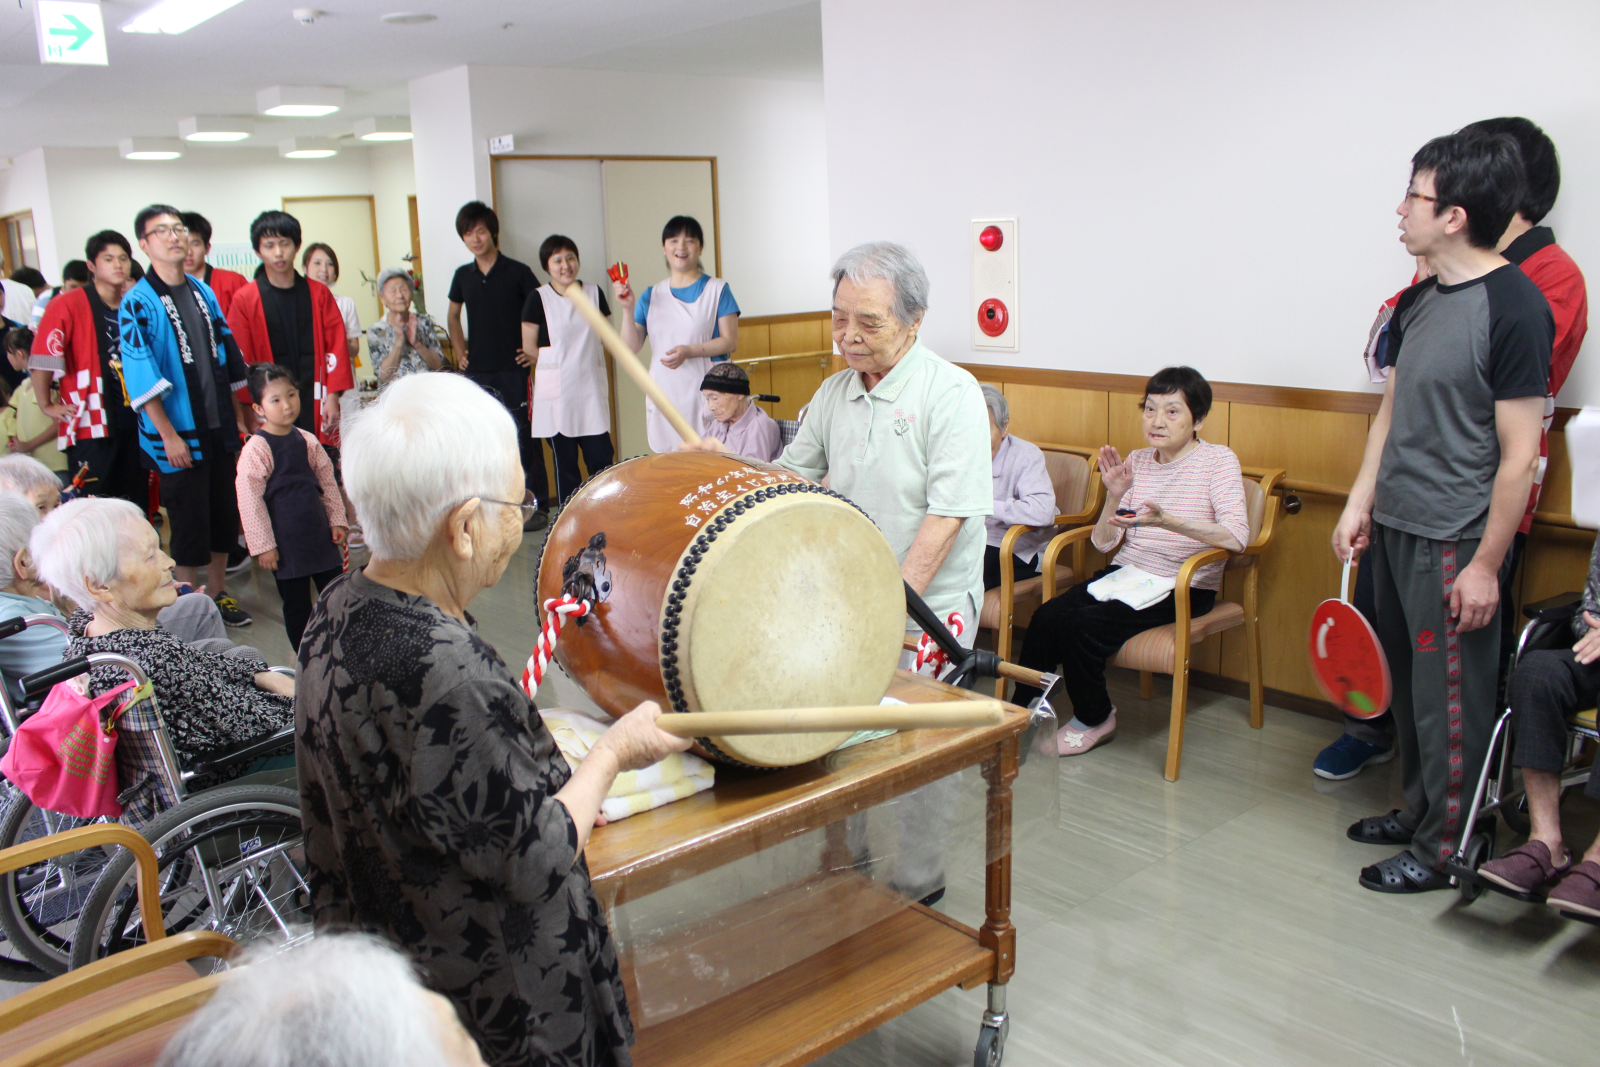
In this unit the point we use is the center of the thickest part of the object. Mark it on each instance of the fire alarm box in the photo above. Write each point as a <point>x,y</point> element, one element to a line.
<point>993,244</point>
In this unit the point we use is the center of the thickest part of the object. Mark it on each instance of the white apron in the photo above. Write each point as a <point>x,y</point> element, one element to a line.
<point>569,381</point>
<point>671,323</point>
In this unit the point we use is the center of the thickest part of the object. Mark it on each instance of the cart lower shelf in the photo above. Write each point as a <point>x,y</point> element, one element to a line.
<point>826,1000</point>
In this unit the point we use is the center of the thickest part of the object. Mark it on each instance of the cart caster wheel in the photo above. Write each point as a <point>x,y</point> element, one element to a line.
<point>1479,850</point>
<point>991,1046</point>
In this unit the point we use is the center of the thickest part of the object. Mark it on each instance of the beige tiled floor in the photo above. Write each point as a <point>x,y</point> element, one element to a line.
<point>1212,921</point>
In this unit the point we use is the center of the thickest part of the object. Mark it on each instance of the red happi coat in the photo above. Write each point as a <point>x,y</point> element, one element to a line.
<point>248,321</point>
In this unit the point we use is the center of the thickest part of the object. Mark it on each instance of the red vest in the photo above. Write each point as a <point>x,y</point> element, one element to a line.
<point>248,321</point>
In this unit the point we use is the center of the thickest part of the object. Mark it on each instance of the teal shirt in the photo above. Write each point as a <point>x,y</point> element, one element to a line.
<point>916,445</point>
<point>33,649</point>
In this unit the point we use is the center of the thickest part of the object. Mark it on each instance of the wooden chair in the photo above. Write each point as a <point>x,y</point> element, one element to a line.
<point>1079,492</point>
<point>1167,649</point>
<point>124,1008</point>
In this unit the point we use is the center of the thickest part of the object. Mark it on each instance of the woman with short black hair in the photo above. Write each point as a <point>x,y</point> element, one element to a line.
<point>1163,504</point>
<point>691,320</point>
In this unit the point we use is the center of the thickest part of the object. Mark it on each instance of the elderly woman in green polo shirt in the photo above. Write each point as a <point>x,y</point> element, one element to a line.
<point>905,435</point>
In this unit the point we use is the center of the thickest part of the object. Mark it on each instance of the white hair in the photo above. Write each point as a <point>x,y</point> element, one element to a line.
<point>81,542</point>
<point>895,264</point>
<point>430,442</point>
<point>18,517</point>
<point>999,410</point>
<point>23,474</point>
<point>339,1000</point>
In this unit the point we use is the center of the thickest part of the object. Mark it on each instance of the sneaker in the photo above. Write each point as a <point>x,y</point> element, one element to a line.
<point>232,613</point>
<point>1346,756</point>
<point>1070,742</point>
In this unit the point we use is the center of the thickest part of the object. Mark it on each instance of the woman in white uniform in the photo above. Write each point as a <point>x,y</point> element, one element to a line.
<point>691,320</point>
<point>571,391</point>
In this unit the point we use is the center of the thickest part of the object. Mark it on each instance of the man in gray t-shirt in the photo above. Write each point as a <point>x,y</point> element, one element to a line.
<point>1449,464</point>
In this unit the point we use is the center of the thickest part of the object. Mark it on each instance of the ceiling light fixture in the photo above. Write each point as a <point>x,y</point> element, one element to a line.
<point>175,16</point>
<point>308,147</point>
<point>215,128</point>
<point>406,18</point>
<point>383,129</point>
<point>299,101</point>
<point>150,148</point>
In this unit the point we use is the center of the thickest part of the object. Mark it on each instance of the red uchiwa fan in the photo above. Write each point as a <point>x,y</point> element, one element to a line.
<point>1346,659</point>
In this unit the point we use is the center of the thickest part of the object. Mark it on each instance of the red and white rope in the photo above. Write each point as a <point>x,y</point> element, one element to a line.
<point>555,613</point>
<point>929,653</point>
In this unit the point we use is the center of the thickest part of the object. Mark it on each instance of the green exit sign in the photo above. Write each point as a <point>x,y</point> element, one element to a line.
<point>70,31</point>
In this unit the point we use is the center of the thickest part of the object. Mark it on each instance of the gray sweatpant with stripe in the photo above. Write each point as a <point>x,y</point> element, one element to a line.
<point>1444,684</point>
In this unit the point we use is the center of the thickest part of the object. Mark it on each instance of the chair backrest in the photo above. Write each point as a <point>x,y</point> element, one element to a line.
<point>1071,469</point>
<point>1260,508</point>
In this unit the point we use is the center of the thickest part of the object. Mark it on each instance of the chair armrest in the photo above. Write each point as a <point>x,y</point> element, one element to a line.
<point>113,970</point>
<point>1052,552</point>
<point>1562,605</point>
<point>207,762</point>
<point>1180,592</point>
<point>110,833</point>
<point>76,1042</point>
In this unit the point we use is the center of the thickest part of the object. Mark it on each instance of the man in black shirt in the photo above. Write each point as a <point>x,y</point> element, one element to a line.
<point>493,288</point>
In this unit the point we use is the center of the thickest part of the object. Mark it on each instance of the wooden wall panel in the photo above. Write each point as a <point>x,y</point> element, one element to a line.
<point>755,342</point>
<point>1061,416</point>
<point>1299,570</point>
<point>796,381</point>
<point>1124,428</point>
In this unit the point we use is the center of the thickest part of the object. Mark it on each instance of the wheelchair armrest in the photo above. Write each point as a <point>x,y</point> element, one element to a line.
<point>39,683</point>
<point>1560,606</point>
<point>12,627</point>
<point>209,762</point>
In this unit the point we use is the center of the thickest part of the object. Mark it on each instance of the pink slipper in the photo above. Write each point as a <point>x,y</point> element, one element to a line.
<point>1578,894</point>
<point>1529,871</point>
<point>1070,742</point>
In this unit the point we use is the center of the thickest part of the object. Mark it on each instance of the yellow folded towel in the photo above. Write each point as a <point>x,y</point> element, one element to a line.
<point>680,775</point>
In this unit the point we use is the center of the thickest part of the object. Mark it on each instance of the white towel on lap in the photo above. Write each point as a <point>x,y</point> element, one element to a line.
<point>1134,587</point>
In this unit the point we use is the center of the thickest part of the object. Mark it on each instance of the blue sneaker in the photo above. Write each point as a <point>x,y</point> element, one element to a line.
<point>1346,756</point>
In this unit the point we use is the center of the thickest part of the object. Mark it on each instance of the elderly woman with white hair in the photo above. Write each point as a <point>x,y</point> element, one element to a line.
<point>438,811</point>
<point>1023,495</point>
<point>103,554</point>
<point>341,1000</point>
<point>403,341</point>
<point>26,475</point>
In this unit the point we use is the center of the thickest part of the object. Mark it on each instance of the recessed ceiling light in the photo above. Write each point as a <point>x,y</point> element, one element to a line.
<point>406,18</point>
<point>215,128</point>
<point>299,101</point>
<point>383,129</point>
<point>308,147</point>
<point>150,148</point>
<point>175,16</point>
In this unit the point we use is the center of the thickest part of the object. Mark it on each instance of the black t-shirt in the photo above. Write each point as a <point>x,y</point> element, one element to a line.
<point>494,304</point>
<point>288,315</point>
<point>109,337</point>
<point>533,311</point>
<point>204,350</point>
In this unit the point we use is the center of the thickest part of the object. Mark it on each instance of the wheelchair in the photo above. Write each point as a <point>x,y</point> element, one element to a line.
<point>230,856</point>
<point>1549,627</point>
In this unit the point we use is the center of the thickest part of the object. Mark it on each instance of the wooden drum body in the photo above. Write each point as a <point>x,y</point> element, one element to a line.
<point>721,586</point>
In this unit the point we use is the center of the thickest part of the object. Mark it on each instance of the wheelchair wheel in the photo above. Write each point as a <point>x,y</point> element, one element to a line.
<point>231,860</point>
<point>40,905</point>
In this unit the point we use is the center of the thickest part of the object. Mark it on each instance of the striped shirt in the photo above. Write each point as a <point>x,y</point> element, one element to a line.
<point>1204,486</point>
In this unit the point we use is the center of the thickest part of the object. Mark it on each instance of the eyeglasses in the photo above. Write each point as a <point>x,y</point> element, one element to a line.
<point>529,506</point>
<point>1412,195</point>
<point>166,231</point>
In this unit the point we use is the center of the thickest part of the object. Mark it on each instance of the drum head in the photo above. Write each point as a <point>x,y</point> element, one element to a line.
<point>1347,661</point>
<point>797,604</point>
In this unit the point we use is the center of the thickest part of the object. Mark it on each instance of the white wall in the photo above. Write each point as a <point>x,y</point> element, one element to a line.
<point>92,189</point>
<point>1212,184</point>
<point>24,186</point>
<point>768,137</point>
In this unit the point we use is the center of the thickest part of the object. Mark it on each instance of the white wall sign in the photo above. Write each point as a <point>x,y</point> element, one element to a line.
<point>499,146</point>
<point>70,31</point>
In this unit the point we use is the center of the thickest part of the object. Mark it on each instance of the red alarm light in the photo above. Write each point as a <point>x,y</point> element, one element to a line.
<point>993,317</point>
<point>992,238</point>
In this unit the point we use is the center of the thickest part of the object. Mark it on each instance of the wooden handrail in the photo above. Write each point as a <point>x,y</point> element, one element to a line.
<point>823,353</point>
<point>1295,485</point>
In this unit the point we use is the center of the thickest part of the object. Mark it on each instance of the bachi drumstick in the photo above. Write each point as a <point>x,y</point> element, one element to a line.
<point>1016,673</point>
<point>828,720</point>
<point>630,362</point>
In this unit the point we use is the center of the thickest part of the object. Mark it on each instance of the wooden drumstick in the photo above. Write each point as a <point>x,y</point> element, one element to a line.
<point>629,362</point>
<point>943,716</point>
<point>1007,670</point>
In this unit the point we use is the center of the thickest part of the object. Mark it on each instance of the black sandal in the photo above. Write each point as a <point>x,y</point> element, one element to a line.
<point>1401,873</point>
<point>1380,830</point>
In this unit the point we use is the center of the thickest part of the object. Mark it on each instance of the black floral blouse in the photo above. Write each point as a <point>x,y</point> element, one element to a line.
<point>426,790</point>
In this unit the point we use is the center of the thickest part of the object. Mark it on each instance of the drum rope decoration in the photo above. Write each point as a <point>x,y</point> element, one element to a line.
<point>556,611</point>
<point>929,652</point>
<point>719,584</point>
